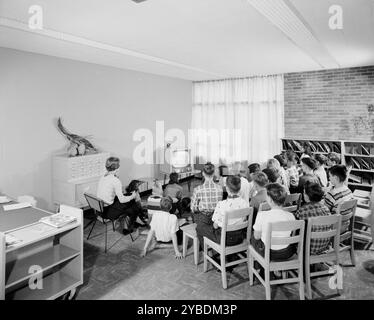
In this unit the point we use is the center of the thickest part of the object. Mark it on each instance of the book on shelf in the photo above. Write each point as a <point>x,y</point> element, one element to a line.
<point>366,180</point>
<point>336,147</point>
<point>355,163</point>
<point>365,150</point>
<point>372,150</point>
<point>327,147</point>
<point>58,220</point>
<point>298,146</point>
<point>364,164</point>
<point>355,178</point>
<point>319,147</point>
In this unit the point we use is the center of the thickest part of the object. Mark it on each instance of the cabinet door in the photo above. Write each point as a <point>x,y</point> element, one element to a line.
<point>88,187</point>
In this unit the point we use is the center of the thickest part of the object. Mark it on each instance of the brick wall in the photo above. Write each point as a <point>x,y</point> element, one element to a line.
<point>330,104</point>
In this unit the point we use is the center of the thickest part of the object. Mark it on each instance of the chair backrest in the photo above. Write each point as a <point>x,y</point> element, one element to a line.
<point>94,202</point>
<point>332,225</point>
<point>264,206</point>
<point>293,199</point>
<point>292,209</point>
<point>296,228</point>
<point>245,214</point>
<point>28,199</point>
<point>347,210</point>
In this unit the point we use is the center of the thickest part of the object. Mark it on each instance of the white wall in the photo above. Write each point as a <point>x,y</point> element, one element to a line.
<point>107,103</point>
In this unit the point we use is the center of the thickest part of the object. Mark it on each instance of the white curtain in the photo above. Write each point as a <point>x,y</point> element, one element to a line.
<point>238,119</point>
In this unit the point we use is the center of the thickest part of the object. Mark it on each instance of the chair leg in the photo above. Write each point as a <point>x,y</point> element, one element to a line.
<point>267,284</point>
<point>92,228</point>
<point>114,229</point>
<point>308,282</point>
<point>250,269</point>
<point>184,245</point>
<point>196,250</point>
<point>301,284</point>
<point>352,251</point>
<point>106,237</point>
<point>205,268</point>
<point>223,270</point>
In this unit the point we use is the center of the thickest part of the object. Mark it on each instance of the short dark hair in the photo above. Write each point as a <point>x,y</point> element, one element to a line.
<point>281,159</point>
<point>112,163</point>
<point>339,171</point>
<point>166,203</point>
<point>186,204</point>
<point>209,169</point>
<point>173,178</point>
<point>272,174</point>
<point>254,167</point>
<point>233,183</point>
<point>133,186</point>
<point>261,179</point>
<point>314,191</point>
<point>311,163</point>
<point>333,156</point>
<point>291,156</point>
<point>277,193</point>
<point>320,158</point>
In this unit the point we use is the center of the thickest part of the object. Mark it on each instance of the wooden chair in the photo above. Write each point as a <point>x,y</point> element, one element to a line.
<point>189,231</point>
<point>246,214</point>
<point>264,206</point>
<point>333,224</point>
<point>294,263</point>
<point>97,205</point>
<point>364,216</point>
<point>347,210</point>
<point>293,199</point>
<point>292,209</point>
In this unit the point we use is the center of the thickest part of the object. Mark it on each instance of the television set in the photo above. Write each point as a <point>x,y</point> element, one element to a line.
<point>177,160</point>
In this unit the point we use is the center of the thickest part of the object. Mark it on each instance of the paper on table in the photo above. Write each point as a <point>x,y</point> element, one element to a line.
<point>16,206</point>
<point>4,199</point>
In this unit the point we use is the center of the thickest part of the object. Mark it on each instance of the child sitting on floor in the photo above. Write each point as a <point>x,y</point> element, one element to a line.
<point>164,227</point>
<point>174,191</point>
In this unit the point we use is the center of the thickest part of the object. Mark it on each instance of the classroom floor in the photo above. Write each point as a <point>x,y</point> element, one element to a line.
<point>123,274</point>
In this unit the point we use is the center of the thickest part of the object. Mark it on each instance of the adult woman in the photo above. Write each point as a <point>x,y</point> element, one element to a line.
<point>109,189</point>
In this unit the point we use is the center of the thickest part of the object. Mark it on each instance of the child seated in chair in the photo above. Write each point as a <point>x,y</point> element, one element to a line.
<point>164,227</point>
<point>276,196</point>
<point>233,202</point>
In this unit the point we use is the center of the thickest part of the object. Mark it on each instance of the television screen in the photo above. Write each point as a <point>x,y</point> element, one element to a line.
<point>180,158</point>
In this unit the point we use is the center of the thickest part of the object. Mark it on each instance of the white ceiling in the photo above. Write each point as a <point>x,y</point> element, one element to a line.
<point>194,39</point>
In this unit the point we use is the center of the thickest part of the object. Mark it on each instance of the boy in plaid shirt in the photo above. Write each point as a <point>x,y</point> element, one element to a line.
<point>315,207</point>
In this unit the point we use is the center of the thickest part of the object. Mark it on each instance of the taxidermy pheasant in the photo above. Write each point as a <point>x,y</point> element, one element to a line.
<point>78,145</point>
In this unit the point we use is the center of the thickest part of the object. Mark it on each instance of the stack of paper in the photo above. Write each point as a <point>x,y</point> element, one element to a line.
<point>4,199</point>
<point>11,240</point>
<point>16,206</point>
<point>58,220</point>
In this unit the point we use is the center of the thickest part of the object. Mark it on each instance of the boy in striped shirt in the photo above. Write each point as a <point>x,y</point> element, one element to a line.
<point>339,191</point>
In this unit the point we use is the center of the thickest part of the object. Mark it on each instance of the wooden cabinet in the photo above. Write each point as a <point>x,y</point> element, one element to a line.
<point>73,176</point>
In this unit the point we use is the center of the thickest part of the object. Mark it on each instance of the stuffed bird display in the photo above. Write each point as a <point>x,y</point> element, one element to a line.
<point>78,144</point>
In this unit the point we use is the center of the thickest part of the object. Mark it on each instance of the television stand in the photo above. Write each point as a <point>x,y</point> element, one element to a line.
<point>164,179</point>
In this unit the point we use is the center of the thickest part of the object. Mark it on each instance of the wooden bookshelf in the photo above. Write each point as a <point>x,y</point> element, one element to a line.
<point>57,254</point>
<point>359,153</point>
